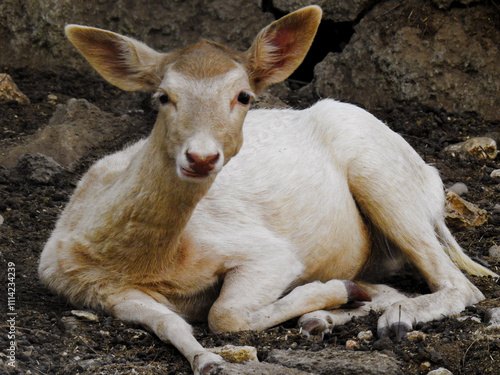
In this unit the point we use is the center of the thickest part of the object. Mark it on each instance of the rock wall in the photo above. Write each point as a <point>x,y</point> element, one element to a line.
<point>32,32</point>
<point>412,52</point>
<point>438,53</point>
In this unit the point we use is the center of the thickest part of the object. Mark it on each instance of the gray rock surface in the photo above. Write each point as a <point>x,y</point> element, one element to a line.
<point>39,168</point>
<point>31,33</point>
<point>259,368</point>
<point>492,317</point>
<point>337,11</point>
<point>74,128</point>
<point>404,54</point>
<point>431,53</point>
<point>332,361</point>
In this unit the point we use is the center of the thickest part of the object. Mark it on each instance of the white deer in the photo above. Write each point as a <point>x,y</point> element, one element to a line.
<point>310,202</point>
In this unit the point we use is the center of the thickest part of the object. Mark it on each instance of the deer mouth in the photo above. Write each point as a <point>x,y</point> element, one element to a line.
<point>193,174</point>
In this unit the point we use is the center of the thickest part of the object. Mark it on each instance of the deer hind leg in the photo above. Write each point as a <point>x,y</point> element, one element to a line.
<point>250,299</point>
<point>405,201</point>
<point>138,307</point>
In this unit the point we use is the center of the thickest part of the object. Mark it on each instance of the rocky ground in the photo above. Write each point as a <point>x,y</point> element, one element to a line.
<point>50,339</point>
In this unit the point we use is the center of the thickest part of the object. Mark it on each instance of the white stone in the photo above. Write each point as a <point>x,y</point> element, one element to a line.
<point>463,214</point>
<point>416,336</point>
<point>492,317</point>
<point>478,147</point>
<point>459,188</point>
<point>494,251</point>
<point>495,173</point>
<point>352,344</point>
<point>471,318</point>
<point>85,315</point>
<point>424,366</point>
<point>440,371</point>
<point>365,335</point>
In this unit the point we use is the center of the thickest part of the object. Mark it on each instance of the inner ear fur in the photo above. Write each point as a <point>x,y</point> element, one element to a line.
<point>122,61</point>
<point>282,46</point>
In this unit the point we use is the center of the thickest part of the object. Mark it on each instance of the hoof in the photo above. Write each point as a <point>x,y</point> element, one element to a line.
<point>396,332</point>
<point>211,368</point>
<point>207,363</point>
<point>355,293</point>
<point>314,327</point>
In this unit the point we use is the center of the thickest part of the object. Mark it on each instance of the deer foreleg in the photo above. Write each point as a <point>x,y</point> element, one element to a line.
<point>139,308</point>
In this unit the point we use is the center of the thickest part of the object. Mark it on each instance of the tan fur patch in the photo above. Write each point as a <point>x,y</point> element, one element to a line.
<point>192,61</point>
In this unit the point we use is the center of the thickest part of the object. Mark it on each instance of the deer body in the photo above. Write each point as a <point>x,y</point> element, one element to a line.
<point>193,223</point>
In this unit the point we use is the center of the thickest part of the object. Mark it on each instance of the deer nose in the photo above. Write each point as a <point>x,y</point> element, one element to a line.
<point>202,163</point>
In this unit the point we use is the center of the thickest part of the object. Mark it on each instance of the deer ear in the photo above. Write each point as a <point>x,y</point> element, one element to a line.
<point>280,47</point>
<point>122,61</point>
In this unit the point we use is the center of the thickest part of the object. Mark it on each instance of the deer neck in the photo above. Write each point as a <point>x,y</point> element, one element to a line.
<point>150,214</point>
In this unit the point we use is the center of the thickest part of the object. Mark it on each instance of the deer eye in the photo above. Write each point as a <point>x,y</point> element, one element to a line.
<point>163,98</point>
<point>244,97</point>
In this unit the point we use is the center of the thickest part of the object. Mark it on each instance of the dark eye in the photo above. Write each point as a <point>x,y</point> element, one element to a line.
<point>163,98</point>
<point>244,97</point>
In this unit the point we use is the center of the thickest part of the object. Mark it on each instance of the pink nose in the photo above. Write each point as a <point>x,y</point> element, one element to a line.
<point>202,164</point>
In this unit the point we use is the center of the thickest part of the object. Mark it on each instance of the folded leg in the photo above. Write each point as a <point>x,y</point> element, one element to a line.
<point>242,305</point>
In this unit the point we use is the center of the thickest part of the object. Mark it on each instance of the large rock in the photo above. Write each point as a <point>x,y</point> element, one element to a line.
<point>433,53</point>
<point>337,11</point>
<point>74,129</point>
<point>411,52</point>
<point>331,361</point>
<point>31,32</point>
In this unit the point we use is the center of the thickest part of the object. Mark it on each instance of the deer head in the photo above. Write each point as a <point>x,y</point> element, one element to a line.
<point>203,91</point>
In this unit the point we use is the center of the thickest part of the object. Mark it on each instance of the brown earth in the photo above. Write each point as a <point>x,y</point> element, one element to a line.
<point>46,344</point>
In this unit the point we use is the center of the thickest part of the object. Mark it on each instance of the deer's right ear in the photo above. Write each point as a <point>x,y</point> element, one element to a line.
<point>280,47</point>
<point>122,61</point>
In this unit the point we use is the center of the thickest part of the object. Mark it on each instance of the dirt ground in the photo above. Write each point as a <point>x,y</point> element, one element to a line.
<point>51,341</point>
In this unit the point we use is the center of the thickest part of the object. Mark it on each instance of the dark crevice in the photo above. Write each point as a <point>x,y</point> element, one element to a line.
<point>331,37</point>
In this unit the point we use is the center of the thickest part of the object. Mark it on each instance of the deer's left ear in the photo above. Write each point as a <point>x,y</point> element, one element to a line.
<point>280,47</point>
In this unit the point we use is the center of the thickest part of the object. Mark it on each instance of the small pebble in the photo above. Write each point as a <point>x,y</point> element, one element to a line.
<point>352,344</point>
<point>494,251</point>
<point>478,147</point>
<point>472,318</point>
<point>85,315</point>
<point>424,366</point>
<point>495,173</point>
<point>70,323</point>
<point>416,336</point>
<point>365,335</point>
<point>384,343</point>
<point>52,99</point>
<point>440,371</point>
<point>459,188</point>
<point>492,317</point>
